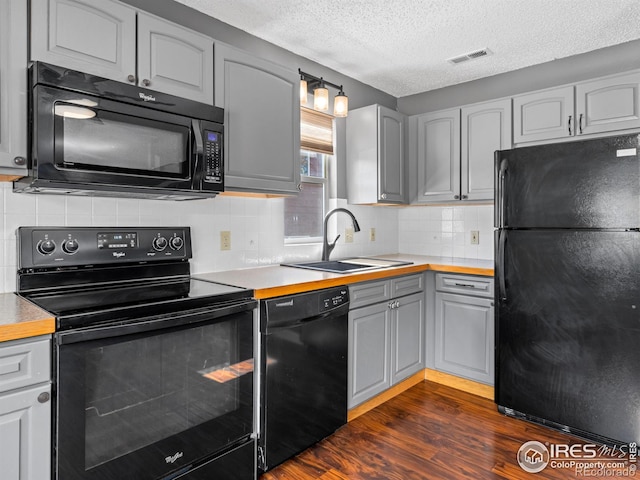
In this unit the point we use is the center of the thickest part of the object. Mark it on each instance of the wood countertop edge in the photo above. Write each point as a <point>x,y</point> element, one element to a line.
<point>302,287</point>
<point>34,328</point>
<point>47,325</point>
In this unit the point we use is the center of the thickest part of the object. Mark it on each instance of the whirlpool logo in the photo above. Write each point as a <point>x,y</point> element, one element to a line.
<point>174,457</point>
<point>118,254</point>
<point>146,98</point>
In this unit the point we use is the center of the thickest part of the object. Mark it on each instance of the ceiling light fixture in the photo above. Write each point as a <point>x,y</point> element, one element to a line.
<point>321,94</point>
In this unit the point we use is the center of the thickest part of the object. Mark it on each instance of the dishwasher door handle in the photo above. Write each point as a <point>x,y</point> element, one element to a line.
<point>276,325</point>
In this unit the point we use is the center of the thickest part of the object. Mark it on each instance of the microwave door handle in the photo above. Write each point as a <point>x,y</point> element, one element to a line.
<point>198,166</point>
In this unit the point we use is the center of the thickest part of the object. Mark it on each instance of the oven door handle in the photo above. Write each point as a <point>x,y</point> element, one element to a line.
<point>214,314</point>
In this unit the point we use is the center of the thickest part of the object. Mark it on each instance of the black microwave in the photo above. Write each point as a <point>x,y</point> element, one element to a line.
<point>94,136</point>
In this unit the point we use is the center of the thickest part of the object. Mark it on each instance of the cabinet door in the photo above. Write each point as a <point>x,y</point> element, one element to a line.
<point>608,104</point>
<point>92,36</point>
<point>174,60</point>
<point>261,103</point>
<point>485,129</point>
<point>438,155</point>
<point>25,434</point>
<point>543,115</point>
<point>391,156</point>
<point>407,336</point>
<point>13,87</point>
<point>465,336</point>
<point>368,352</point>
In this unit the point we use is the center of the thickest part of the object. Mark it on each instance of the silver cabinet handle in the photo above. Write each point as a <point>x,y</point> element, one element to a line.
<point>457,197</point>
<point>464,197</point>
<point>20,161</point>
<point>569,124</point>
<point>131,78</point>
<point>146,82</point>
<point>465,285</point>
<point>44,397</point>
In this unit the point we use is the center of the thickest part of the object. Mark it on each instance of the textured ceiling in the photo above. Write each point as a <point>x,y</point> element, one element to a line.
<point>401,46</point>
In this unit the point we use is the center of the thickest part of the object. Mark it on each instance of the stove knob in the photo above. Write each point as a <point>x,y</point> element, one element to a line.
<point>159,244</point>
<point>70,246</point>
<point>46,247</point>
<point>176,243</point>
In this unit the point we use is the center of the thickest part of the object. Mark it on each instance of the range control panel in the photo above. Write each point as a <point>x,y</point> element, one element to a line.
<point>44,247</point>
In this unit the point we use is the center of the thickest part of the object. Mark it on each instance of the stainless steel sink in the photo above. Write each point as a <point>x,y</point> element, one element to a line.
<point>348,265</point>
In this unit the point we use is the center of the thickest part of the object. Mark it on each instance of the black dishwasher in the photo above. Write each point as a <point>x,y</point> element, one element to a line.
<point>304,371</point>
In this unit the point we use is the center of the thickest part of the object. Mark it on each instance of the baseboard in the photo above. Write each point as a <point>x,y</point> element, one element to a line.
<point>463,384</point>
<point>397,389</point>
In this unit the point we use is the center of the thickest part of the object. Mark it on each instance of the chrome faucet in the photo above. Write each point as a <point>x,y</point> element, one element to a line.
<point>327,247</point>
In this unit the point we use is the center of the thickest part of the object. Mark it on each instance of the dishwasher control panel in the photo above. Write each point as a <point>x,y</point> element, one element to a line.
<point>333,298</point>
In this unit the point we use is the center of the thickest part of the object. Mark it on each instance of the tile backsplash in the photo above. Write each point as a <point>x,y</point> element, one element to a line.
<point>256,227</point>
<point>446,231</point>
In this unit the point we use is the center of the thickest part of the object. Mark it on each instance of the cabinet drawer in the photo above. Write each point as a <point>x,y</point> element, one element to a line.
<point>362,294</point>
<point>407,285</point>
<point>466,285</point>
<point>24,363</point>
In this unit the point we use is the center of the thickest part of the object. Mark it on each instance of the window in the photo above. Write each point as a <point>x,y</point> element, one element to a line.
<point>304,213</point>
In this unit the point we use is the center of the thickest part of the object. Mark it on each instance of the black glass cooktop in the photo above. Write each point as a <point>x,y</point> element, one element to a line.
<point>134,300</point>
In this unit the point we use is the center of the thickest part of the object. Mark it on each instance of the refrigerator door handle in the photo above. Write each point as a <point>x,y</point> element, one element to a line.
<point>502,196</point>
<point>502,285</point>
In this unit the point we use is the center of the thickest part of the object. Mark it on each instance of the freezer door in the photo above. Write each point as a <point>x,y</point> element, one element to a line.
<point>585,184</point>
<point>568,328</point>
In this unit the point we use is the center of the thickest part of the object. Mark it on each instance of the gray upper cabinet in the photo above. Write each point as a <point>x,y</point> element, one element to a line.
<point>13,87</point>
<point>454,151</point>
<point>261,103</point>
<point>602,105</point>
<point>543,115</point>
<point>99,37</point>
<point>438,156</point>
<point>608,104</point>
<point>376,144</point>
<point>175,60</point>
<point>92,36</point>
<point>485,128</point>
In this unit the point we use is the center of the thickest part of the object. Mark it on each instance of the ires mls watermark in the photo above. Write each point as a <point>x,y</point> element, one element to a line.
<point>583,460</point>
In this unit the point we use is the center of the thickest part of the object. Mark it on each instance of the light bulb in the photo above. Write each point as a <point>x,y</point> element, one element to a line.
<point>340,105</point>
<point>321,99</point>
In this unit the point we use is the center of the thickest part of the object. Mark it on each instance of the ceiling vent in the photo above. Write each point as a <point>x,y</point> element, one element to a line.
<point>483,52</point>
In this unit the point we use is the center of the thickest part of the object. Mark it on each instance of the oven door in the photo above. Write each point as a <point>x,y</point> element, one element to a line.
<point>155,398</point>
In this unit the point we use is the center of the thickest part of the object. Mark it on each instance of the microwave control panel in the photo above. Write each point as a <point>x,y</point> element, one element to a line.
<point>213,157</point>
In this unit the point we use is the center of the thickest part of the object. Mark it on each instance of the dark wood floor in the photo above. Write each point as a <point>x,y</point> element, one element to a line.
<point>428,432</point>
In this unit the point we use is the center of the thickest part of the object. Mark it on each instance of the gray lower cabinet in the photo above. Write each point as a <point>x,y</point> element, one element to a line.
<point>112,40</point>
<point>386,335</point>
<point>261,103</point>
<point>464,327</point>
<point>376,156</point>
<point>25,409</point>
<point>13,87</point>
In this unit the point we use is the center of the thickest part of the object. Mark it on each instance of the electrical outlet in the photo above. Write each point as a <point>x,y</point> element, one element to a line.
<point>372,234</point>
<point>475,237</point>
<point>348,235</point>
<point>225,240</point>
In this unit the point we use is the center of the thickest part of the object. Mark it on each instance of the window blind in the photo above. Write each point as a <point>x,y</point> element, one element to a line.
<point>316,131</point>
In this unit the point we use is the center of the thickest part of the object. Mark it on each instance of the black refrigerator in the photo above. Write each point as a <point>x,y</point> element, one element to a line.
<point>568,286</point>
